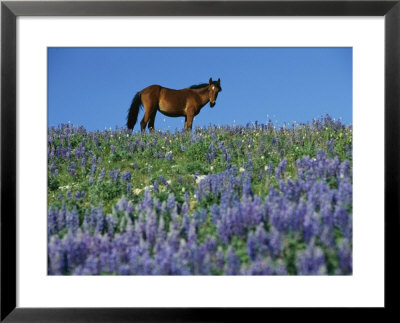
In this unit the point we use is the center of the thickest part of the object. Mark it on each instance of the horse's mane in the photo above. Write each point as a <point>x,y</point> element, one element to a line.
<point>198,86</point>
<point>201,85</point>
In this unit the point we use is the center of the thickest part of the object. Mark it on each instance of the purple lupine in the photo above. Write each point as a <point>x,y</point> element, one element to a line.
<point>147,200</point>
<point>220,259</point>
<point>281,268</point>
<point>72,169</point>
<point>51,222</point>
<point>232,265</point>
<point>192,237</point>
<point>102,174</point>
<point>52,168</point>
<point>100,219</point>
<point>331,146</point>
<point>151,227</point>
<point>252,246</point>
<point>155,187</point>
<point>260,267</point>
<point>93,169</point>
<point>171,203</point>
<point>280,169</point>
<point>126,176</point>
<point>311,261</point>
<point>211,244</point>
<point>342,219</point>
<point>72,220</point>
<point>215,214</point>
<point>247,190</point>
<point>345,257</point>
<point>275,242</point>
<point>163,180</point>
<point>186,196</point>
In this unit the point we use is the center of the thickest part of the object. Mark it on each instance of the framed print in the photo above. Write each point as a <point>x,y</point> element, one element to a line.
<point>190,156</point>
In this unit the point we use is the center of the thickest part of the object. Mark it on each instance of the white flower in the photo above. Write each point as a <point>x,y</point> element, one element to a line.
<point>200,178</point>
<point>183,189</point>
<point>241,169</point>
<point>266,167</point>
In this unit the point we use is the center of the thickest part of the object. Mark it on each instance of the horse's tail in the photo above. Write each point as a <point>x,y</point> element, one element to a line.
<point>134,111</point>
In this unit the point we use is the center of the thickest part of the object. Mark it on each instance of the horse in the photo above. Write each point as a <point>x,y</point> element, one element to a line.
<point>172,103</point>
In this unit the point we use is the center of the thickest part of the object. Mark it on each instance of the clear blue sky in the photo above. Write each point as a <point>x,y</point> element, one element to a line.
<point>94,87</point>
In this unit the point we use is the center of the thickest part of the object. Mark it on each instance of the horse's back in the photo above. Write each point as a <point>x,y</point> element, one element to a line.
<point>150,95</point>
<point>164,91</point>
<point>169,101</point>
<point>151,89</point>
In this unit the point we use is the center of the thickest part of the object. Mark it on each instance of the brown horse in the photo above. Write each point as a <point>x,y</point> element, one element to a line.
<point>173,103</point>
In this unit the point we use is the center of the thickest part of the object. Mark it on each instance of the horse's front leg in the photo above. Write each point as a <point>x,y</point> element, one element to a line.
<point>189,121</point>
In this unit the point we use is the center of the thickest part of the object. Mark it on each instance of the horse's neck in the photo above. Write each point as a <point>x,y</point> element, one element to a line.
<point>203,94</point>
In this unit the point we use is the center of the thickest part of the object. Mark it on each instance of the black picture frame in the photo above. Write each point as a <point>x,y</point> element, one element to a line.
<point>10,10</point>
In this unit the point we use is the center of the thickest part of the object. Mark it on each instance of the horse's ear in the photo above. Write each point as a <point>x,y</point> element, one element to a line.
<point>210,80</point>
<point>219,81</point>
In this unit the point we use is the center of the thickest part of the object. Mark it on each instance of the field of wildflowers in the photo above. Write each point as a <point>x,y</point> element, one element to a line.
<point>230,200</point>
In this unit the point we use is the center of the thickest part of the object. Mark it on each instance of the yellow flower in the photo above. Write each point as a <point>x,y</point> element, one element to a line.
<point>111,136</point>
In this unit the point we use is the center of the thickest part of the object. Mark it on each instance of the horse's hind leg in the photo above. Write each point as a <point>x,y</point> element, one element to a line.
<point>147,118</point>
<point>151,120</point>
<point>143,123</point>
<point>150,109</point>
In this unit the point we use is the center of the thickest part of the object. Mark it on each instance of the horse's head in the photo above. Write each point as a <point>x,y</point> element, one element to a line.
<point>214,87</point>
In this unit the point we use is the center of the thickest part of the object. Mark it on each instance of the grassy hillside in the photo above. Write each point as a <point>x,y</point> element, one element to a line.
<point>221,200</point>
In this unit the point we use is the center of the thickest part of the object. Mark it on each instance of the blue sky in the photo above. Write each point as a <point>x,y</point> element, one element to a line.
<point>94,87</point>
